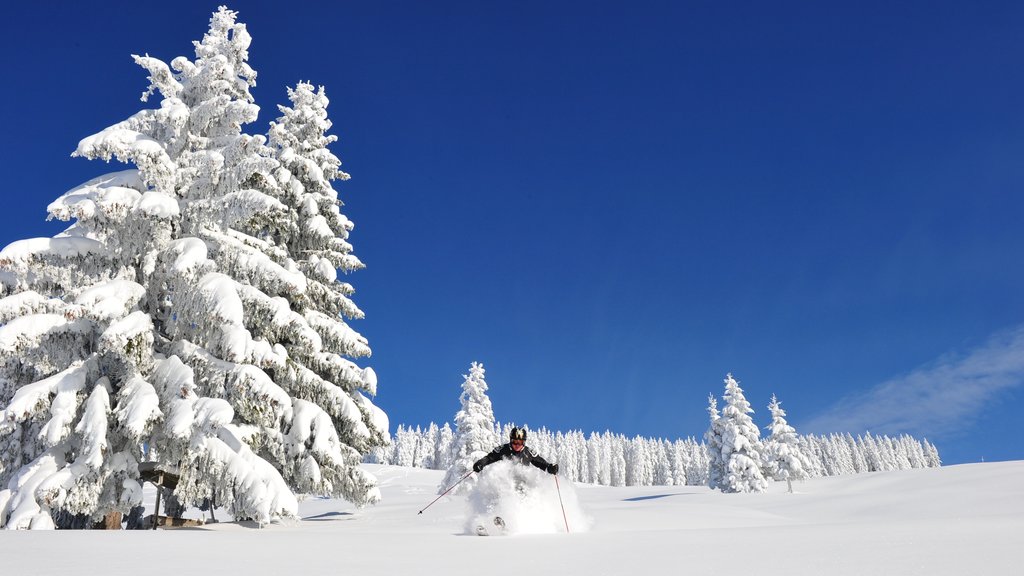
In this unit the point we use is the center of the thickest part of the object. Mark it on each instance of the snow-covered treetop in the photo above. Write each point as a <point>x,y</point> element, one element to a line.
<point>302,129</point>
<point>779,427</point>
<point>713,408</point>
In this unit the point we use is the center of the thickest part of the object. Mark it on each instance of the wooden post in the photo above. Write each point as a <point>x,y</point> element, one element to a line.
<point>156,512</point>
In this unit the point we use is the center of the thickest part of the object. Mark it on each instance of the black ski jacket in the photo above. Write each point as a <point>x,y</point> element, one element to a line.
<point>524,457</point>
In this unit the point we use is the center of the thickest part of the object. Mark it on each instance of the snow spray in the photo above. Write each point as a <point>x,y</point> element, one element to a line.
<point>526,500</point>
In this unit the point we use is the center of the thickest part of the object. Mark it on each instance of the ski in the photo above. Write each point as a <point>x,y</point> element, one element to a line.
<point>481,530</point>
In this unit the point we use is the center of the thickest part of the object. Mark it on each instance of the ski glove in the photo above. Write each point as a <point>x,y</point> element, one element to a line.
<point>552,468</point>
<point>478,467</point>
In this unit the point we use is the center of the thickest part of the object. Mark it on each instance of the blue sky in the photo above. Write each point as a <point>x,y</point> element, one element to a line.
<point>611,205</point>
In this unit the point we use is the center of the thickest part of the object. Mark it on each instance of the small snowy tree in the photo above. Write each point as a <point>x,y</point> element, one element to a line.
<point>187,309</point>
<point>443,448</point>
<point>474,429</point>
<point>783,459</point>
<point>698,467</point>
<point>741,444</point>
<point>598,458</point>
<point>406,443</point>
<point>664,474</point>
<point>931,453</point>
<point>639,463</point>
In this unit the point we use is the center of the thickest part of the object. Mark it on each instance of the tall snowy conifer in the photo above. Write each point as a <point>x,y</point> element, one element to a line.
<point>713,437</point>
<point>190,308</point>
<point>741,444</point>
<point>783,459</point>
<point>474,429</point>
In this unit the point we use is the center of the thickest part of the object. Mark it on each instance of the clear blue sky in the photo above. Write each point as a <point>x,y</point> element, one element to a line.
<point>613,204</point>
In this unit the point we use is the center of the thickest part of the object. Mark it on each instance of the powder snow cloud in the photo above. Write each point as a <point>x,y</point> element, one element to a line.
<point>937,400</point>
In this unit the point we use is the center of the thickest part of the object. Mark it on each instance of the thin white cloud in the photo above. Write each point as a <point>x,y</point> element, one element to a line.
<point>937,400</point>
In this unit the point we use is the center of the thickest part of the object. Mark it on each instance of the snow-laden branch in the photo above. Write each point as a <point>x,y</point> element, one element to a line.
<point>253,395</point>
<point>160,78</point>
<point>54,396</point>
<point>223,466</point>
<point>138,409</point>
<point>22,252</point>
<point>337,336</point>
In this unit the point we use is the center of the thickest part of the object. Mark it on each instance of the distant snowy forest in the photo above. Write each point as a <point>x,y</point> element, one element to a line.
<point>613,459</point>
<point>610,459</point>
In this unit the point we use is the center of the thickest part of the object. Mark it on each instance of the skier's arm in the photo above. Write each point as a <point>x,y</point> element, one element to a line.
<point>543,464</point>
<point>489,458</point>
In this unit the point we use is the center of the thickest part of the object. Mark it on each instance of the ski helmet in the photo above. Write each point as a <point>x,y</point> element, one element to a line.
<point>517,434</point>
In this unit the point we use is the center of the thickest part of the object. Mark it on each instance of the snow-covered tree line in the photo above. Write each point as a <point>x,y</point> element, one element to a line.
<point>741,461</point>
<point>607,459</point>
<point>610,459</point>
<point>191,314</point>
<point>733,458</point>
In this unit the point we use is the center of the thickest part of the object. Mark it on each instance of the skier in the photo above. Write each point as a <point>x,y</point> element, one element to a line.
<point>517,451</point>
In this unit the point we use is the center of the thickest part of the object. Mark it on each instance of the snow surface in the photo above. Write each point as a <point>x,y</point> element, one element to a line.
<point>956,520</point>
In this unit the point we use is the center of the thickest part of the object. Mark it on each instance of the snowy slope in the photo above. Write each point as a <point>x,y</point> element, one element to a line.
<point>966,519</point>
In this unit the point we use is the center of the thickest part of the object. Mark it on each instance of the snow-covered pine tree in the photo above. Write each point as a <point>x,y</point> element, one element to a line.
<point>443,448</point>
<point>406,442</point>
<point>427,453</point>
<point>474,429</point>
<point>579,442</point>
<point>172,313</point>
<point>713,438</point>
<point>598,457</point>
<point>783,459</point>
<point>541,440</point>
<point>859,464</point>
<point>698,466</point>
<point>741,443</point>
<point>663,473</point>
<point>639,463</point>
<point>679,460</point>
<point>843,454</point>
<point>872,456</point>
<point>313,240</point>
<point>931,454</point>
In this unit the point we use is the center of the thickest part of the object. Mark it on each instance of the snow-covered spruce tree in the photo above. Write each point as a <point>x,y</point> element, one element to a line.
<point>741,443</point>
<point>599,458</point>
<point>443,448</point>
<point>405,444</point>
<point>474,430</point>
<point>175,313</point>
<point>931,455</point>
<point>859,463</point>
<point>663,474</point>
<point>639,463</point>
<point>697,468</point>
<point>783,459</point>
<point>315,235</point>
<point>713,437</point>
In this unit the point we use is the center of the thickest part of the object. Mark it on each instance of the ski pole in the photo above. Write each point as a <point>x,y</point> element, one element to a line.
<point>559,490</point>
<point>446,492</point>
